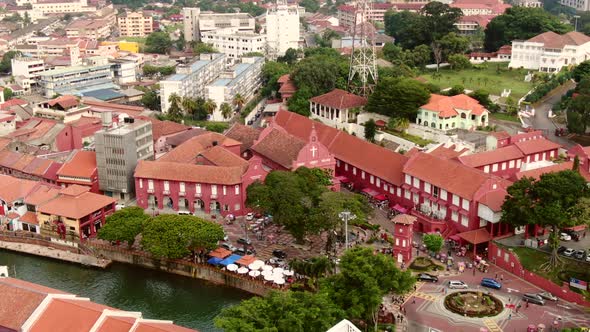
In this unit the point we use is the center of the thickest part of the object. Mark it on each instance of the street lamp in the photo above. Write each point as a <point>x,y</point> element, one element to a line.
<point>346,216</point>
<point>576,24</point>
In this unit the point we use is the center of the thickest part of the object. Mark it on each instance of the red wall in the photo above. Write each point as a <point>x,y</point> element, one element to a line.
<point>512,265</point>
<point>71,136</point>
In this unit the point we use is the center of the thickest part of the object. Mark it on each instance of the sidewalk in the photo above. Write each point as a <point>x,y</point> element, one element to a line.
<point>49,252</point>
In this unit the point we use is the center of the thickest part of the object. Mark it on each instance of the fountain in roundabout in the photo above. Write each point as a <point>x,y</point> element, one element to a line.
<point>473,304</point>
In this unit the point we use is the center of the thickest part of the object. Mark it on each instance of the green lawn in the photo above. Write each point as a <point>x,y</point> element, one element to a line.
<point>414,139</point>
<point>139,40</point>
<point>532,259</point>
<point>504,116</point>
<point>487,78</point>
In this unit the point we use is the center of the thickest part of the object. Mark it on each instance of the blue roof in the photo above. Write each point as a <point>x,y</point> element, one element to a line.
<point>198,65</point>
<point>176,77</point>
<point>242,67</point>
<point>230,260</point>
<point>103,94</point>
<point>222,82</point>
<point>214,260</point>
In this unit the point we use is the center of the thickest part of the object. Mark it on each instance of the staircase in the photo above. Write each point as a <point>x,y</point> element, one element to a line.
<point>449,231</point>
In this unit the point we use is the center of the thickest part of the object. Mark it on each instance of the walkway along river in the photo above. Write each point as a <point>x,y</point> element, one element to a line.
<point>158,295</point>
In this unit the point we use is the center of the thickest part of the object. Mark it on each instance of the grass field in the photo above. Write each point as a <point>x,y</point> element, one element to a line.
<point>487,78</point>
<point>504,116</point>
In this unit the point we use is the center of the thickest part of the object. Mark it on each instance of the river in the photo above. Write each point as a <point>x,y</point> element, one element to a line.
<point>188,302</point>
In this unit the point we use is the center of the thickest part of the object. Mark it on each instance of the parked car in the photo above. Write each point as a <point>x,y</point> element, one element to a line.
<point>568,252</point>
<point>250,122</point>
<point>533,298</point>
<point>119,206</point>
<point>245,242</point>
<point>427,277</point>
<point>243,252</point>
<point>184,213</point>
<point>457,284</point>
<point>490,283</point>
<point>228,246</point>
<point>548,296</point>
<point>565,237</point>
<point>575,236</point>
<point>580,254</point>
<point>279,254</point>
<point>225,237</point>
<point>561,249</point>
<point>588,258</point>
<point>249,216</point>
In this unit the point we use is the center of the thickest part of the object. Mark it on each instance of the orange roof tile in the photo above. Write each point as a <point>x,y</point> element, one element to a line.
<point>116,324</point>
<point>160,327</point>
<point>17,297</point>
<point>58,316</point>
<point>476,236</point>
<point>75,207</point>
<point>404,219</point>
<point>551,39</point>
<point>536,146</point>
<point>24,161</point>
<point>506,153</point>
<point>280,147</point>
<point>65,102</point>
<point>74,190</point>
<point>340,99</point>
<point>190,149</point>
<point>4,142</point>
<point>42,194</point>
<point>82,164</point>
<point>448,152</point>
<point>494,199</point>
<point>447,106</point>
<point>245,134</point>
<point>284,78</point>
<point>500,134</point>
<point>30,218</point>
<point>173,171</point>
<point>13,189</point>
<point>220,156</point>
<point>163,128</point>
<point>537,172</point>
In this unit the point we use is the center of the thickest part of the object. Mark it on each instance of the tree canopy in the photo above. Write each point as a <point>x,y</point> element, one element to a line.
<point>158,42</point>
<point>433,242</point>
<point>6,63</point>
<point>398,97</point>
<point>124,225</point>
<point>520,23</point>
<point>582,70</point>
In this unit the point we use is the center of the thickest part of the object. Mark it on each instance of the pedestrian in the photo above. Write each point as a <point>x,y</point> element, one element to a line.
<point>509,316</point>
<point>584,235</point>
<point>473,270</point>
<point>502,277</point>
<point>414,301</point>
<point>509,299</point>
<point>496,277</point>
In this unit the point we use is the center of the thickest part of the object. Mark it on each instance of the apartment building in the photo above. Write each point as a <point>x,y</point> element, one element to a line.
<point>197,22</point>
<point>94,74</point>
<point>91,29</point>
<point>26,71</point>
<point>42,8</point>
<point>118,150</point>
<point>580,5</point>
<point>233,43</point>
<point>348,13</point>
<point>243,79</point>
<point>191,80</point>
<point>135,25</point>
<point>282,29</point>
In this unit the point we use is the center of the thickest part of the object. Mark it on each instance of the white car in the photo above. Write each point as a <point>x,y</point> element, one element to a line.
<point>250,216</point>
<point>569,252</point>
<point>457,284</point>
<point>565,237</point>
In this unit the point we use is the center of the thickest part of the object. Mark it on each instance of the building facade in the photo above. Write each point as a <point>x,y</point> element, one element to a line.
<point>233,43</point>
<point>579,5</point>
<point>196,23</point>
<point>81,170</point>
<point>88,28</point>
<point>118,150</point>
<point>26,70</point>
<point>549,51</point>
<point>282,29</point>
<point>348,15</point>
<point>135,24</point>
<point>42,8</point>
<point>336,107</point>
<point>456,112</point>
<point>95,74</point>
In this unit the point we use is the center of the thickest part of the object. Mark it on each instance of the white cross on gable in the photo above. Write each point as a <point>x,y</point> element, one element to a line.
<point>313,151</point>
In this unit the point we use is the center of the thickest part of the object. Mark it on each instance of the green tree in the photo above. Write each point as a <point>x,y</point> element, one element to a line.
<point>6,63</point>
<point>271,72</point>
<point>204,48</point>
<point>552,201</point>
<point>456,90</point>
<point>124,225</point>
<point>189,105</point>
<point>520,23</point>
<point>405,27</point>
<point>398,98</point>
<point>437,21</point>
<point>281,311</point>
<point>581,71</point>
<point>158,42</point>
<point>483,96</point>
<point>398,124</point>
<point>26,19</point>
<point>310,6</point>
<point>290,56</point>
<point>433,242</point>
<point>210,106</point>
<point>314,268</point>
<point>151,100</point>
<point>370,130</point>
<point>299,102</point>
<point>576,165</point>
<point>452,43</point>
<point>320,73</point>
<point>174,111</point>
<point>581,105</point>
<point>364,278</point>
<point>226,110</point>
<point>7,93</point>
<point>459,62</point>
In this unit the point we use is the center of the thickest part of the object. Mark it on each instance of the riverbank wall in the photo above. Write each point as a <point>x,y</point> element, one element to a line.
<point>183,267</point>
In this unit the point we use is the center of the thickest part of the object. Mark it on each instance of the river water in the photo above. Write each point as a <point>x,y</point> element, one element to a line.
<point>188,302</point>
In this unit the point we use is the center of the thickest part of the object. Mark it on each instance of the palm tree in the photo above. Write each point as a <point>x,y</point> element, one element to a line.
<point>189,105</point>
<point>174,111</point>
<point>210,106</point>
<point>226,110</point>
<point>239,101</point>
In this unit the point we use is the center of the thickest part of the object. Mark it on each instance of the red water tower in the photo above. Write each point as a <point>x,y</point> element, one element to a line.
<point>403,237</point>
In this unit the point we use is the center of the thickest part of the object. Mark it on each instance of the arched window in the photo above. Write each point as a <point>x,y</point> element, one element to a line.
<point>463,116</point>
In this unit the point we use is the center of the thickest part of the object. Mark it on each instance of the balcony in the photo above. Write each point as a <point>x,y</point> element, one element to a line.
<point>198,194</point>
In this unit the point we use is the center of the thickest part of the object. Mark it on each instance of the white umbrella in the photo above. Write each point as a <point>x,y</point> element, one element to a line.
<point>277,270</point>
<point>288,273</point>
<point>259,263</point>
<point>232,267</point>
<point>254,266</point>
<point>243,270</point>
<point>266,273</point>
<point>266,268</point>
<point>269,277</point>
<point>254,273</point>
<point>279,281</point>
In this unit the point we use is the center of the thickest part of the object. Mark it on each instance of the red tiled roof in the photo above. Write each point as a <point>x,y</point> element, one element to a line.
<point>280,147</point>
<point>364,155</point>
<point>64,101</point>
<point>177,139</point>
<point>536,146</point>
<point>12,215</point>
<point>174,171</point>
<point>551,39</point>
<point>506,153</point>
<point>447,106</point>
<point>494,199</point>
<point>190,149</point>
<point>288,87</point>
<point>75,207</point>
<point>284,79</point>
<point>448,152</point>
<point>476,236</point>
<point>159,327</point>
<point>340,99</point>
<point>404,219</point>
<point>163,128</point>
<point>14,296</point>
<point>450,175</point>
<point>30,218</point>
<point>526,136</point>
<point>132,111</point>
<point>116,324</point>
<point>537,172</point>
<point>245,134</point>
<point>12,102</point>
<point>13,189</point>
<point>59,312</point>
<point>82,165</point>
<point>220,156</point>
<point>500,134</point>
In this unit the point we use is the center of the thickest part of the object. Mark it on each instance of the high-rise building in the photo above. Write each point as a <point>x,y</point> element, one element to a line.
<point>118,149</point>
<point>197,22</point>
<point>191,24</point>
<point>282,29</point>
<point>234,43</point>
<point>135,25</point>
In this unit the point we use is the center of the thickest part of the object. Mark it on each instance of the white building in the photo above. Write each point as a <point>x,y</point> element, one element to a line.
<point>191,80</point>
<point>549,51</point>
<point>41,8</point>
<point>233,43</point>
<point>581,5</point>
<point>197,22</point>
<point>124,71</point>
<point>243,79</point>
<point>282,29</point>
<point>26,71</point>
<point>135,25</point>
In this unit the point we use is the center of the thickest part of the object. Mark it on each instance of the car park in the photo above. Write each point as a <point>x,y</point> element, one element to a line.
<point>580,254</point>
<point>561,249</point>
<point>574,235</point>
<point>490,283</point>
<point>279,254</point>
<point>457,284</point>
<point>245,242</point>
<point>548,296</point>
<point>427,277</point>
<point>565,237</point>
<point>533,298</point>
<point>568,252</point>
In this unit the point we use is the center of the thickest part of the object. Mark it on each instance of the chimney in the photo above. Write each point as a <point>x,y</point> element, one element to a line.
<point>107,120</point>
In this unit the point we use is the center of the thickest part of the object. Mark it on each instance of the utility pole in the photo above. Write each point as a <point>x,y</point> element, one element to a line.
<point>346,216</point>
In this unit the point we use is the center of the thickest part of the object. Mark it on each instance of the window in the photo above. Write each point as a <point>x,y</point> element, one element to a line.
<point>416,198</point>
<point>237,189</point>
<point>408,179</point>
<point>346,167</point>
<point>140,183</point>
<point>455,200</point>
<point>225,207</point>
<point>362,174</point>
<point>427,187</point>
<point>182,187</point>
<point>337,162</point>
<point>397,241</point>
<point>166,186</point>
<point>403,243</point>
<point>224,190</point>
<point>198,188</point>
<point>392,190</point>
<point>354,170</point>
<point>482,222</point>
<point>151,184</point>
<point>503,165</point>
<point>511,164</point>
<point>494,167</point>
<point>406,194</point>
<point>371,179</point>
<point>416,182</point>
<point>435,191</point>
<point>399,192</point>
<point>465,204</point>
<point>237,207</point>
<point>552,154</point>
<point>213,189</point>
<point>455,216</point>
<point>464,220</point>
<point>379,184</point>
<point>486,169</point>
<point>536,157</point>
<point>518,163</point>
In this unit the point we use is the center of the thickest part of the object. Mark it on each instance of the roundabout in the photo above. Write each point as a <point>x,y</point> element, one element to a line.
<point>475,304</point>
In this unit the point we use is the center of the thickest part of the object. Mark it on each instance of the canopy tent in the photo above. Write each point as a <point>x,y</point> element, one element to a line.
<point>230,260</point>
<point>370,192</point>
<point>288,272</point>
<point>455,238</point>
<point>343,179</point>
<point>400,208</point>
<point>278,270</point>
<point>266,273</point>
<point>380,197</point>
<point>476,236</point>
<point>214,260</point>
<point>246,260</point>
<point>220,253</point>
